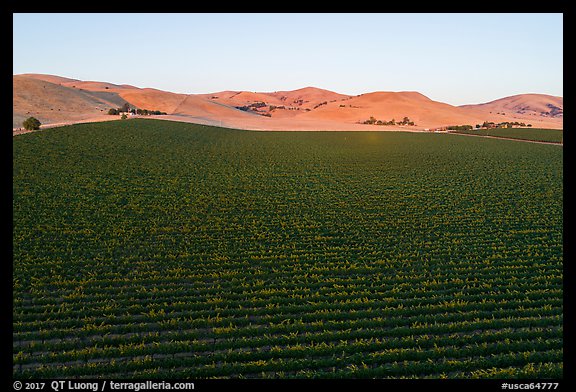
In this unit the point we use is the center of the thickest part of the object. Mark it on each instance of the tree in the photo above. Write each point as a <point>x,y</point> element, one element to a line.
<point>124,117</point>
<point>31,124</point>
<point>113,112</point>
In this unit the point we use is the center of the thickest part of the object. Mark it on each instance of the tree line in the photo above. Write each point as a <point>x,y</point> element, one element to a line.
<point>487,125</point>
<point>372,120</point>
<point>127,109</point>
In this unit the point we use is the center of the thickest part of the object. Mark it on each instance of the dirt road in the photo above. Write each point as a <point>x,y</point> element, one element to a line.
<point>506,138</point>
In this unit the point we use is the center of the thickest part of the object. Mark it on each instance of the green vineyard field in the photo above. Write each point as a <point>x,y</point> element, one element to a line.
<point>155,249</point>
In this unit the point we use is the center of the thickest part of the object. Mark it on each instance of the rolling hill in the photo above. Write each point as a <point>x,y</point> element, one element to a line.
<point>527,107</point>
<point>55,103</point>
<point>54,99</point>
<point>386,106</point>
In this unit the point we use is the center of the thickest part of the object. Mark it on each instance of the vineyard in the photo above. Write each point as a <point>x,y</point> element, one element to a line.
<point>535,134</point>
<point>153,249</point>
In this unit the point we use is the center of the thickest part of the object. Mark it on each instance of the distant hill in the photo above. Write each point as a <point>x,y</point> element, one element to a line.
<point>387,106</point>
<point>308,97</point>
<point>529,107</point>
<point>55,99</point>
<point>301,99</point>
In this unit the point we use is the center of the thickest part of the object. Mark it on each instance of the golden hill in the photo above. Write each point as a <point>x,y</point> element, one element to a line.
<point>55,99</point>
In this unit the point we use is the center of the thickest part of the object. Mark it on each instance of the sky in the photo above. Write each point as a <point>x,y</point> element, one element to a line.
<point>452,58</point>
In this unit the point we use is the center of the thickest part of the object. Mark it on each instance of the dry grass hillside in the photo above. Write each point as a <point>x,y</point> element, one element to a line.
<point>152,99</point>
<point>55,99</point>
<point>537,109</point>
<point>387,106</point>
<point>49,78</point>
<point>54,103</point>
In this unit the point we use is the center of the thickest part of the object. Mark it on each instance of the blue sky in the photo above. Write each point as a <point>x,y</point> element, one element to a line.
<point>452,58</point>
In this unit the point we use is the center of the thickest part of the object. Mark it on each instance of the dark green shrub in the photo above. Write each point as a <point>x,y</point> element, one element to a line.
<point>31,124</point>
